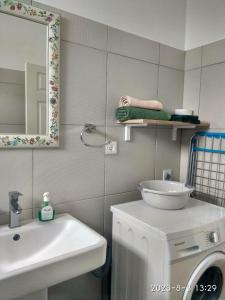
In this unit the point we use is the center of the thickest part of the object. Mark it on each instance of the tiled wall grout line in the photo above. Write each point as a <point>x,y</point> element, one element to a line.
<point>200,87</point>
<point>214,64</point>
<point>146,61</point>
<point>156,146</point>
<point>159,53</point>
<point>114,194</point>
<point>156,131</point>
<point>193,69</point>
<point>83,45</point>
<point>122,55</point>
<point>158,81</point>
<point>96,197</point>
<point>159,49</point>
<point>206,66</point>
<point>106,131</point>
<point>99,125</point>
<point>80,200</point>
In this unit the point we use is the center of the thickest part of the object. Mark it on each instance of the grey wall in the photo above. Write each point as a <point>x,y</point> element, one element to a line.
<point>98,65</point>
<point>204,90</point>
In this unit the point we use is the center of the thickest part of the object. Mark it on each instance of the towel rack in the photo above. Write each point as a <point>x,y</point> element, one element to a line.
<point>206,171</point>
<point>90,128</point>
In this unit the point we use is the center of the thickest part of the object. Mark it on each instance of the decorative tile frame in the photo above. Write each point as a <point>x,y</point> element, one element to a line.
<point>51,20</point>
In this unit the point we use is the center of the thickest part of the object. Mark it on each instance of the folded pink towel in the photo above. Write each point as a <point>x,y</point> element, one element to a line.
<point>149,104</point>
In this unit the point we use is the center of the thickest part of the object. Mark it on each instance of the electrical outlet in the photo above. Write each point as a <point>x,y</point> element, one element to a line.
<point>167,174</point>
<point>111,148</point>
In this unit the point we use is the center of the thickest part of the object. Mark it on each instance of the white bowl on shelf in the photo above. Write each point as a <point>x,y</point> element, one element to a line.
<point>164,194</point>
<point>183,112</point>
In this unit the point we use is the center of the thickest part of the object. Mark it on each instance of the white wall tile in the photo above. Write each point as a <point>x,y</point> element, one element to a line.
<point>192,83</point>
<point>133,46</point>
<point>172,57</point>
<point>134,162</point>
<point>171,87</point>
<point>193,58</point>
<point>83,75</point>
<point>212,104</point>
<point>83,31</point>
<point>16,175</point>
<point>167,154</point>
<point>72,172</point>
<point>213,53</point>
<point>131,77</point>
<point>89,211</point>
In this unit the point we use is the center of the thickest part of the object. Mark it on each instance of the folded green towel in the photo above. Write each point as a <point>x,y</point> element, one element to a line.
<point>128,113</point>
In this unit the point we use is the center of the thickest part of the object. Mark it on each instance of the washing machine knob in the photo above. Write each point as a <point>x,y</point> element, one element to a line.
<point>214,237</point>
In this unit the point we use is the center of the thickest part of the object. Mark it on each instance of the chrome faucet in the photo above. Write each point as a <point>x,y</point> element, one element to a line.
<point>14,209</point>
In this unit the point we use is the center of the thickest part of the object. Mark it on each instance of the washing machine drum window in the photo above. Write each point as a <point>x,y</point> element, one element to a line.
<point>209,285</point>
<point>207,280</point>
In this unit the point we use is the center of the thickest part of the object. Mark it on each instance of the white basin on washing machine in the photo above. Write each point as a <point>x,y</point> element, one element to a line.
<point>165,194</point>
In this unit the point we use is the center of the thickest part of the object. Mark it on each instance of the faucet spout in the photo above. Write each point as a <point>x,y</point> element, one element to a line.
<point>14,209</point>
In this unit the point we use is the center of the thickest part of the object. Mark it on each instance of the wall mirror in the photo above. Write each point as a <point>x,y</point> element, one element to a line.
<point>29,76</point>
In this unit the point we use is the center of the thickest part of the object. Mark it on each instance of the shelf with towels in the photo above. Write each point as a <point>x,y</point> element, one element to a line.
<point>129,124</point>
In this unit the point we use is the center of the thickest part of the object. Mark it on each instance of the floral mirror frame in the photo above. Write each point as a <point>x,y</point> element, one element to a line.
<point>52,20</point>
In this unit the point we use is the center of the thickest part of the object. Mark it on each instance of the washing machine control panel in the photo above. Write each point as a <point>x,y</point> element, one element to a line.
<point>192,244</point>
<point>214,237</point>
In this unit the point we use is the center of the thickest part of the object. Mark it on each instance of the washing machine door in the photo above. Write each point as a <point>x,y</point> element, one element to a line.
<point>207,280</point>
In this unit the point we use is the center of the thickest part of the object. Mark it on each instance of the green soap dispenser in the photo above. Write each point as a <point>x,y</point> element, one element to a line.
<point>46,213</point>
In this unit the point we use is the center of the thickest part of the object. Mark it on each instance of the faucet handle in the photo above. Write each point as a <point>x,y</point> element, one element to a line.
<point>14,195</point>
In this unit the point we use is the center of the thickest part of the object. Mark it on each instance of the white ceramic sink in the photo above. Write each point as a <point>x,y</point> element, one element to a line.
<point>46,254</point>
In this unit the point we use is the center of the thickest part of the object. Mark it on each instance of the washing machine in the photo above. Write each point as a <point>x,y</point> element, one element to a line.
<point>168,254</point>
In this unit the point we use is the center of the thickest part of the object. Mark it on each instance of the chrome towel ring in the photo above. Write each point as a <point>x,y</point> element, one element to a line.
<point>89,128</point>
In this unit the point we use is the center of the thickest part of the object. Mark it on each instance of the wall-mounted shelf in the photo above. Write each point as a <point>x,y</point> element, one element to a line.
<point>175,126</point>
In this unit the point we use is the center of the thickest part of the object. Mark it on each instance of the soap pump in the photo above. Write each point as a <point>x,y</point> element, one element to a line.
<point>46,213</point>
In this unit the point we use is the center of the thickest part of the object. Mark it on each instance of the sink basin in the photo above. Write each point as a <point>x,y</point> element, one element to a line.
<point>164,194</point>
<point>38,255</point>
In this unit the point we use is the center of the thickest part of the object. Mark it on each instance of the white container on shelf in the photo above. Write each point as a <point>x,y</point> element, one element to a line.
<point>164,194</point>
<point>184,112</point>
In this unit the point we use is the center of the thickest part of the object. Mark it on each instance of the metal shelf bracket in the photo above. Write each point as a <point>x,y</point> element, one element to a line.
<point>127,130</point>
<point>175,128</point>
